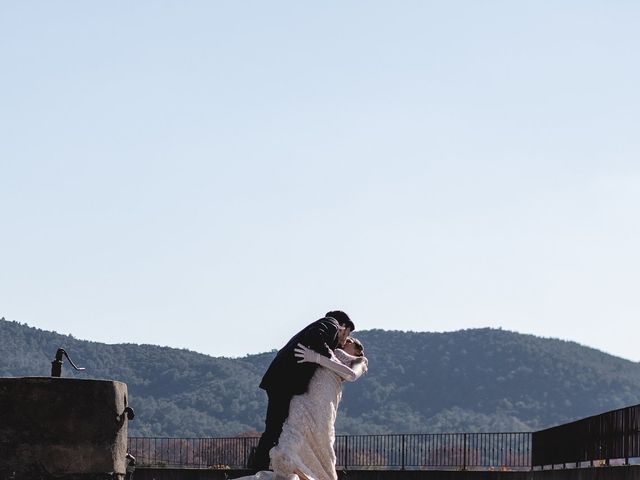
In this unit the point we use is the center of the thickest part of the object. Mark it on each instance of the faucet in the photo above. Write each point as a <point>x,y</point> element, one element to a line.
<point>56,365</point>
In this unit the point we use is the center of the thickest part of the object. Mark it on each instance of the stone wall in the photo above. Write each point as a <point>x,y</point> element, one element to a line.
<point>62,428</point>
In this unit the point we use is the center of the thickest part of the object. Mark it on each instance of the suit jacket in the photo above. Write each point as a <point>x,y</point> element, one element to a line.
<point>285,374</point>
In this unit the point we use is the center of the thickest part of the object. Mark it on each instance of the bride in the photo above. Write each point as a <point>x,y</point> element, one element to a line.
<point>305,450</point>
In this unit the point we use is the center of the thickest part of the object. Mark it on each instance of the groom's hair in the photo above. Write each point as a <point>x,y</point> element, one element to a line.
<point>342,318</point>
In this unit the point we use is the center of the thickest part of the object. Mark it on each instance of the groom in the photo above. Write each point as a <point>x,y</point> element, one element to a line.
<point>285,377</point>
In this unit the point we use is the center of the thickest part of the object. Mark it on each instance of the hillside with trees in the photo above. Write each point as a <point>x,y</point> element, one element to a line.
<point>476,380</point>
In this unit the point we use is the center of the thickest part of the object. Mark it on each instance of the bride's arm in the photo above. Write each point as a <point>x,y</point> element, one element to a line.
<point>358,364</point>
<point>359,367</point>
<point>305,354</point>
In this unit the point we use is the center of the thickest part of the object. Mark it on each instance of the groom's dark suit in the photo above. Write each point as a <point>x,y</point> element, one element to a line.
<point>285,378</point>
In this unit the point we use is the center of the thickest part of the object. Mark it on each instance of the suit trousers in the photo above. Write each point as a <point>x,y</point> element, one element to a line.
<point>277,413</point>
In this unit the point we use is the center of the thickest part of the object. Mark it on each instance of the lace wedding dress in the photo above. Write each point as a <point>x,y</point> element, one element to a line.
<point>305,449</point>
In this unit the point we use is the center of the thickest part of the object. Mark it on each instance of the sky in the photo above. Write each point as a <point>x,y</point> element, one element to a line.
<point>215,175</point>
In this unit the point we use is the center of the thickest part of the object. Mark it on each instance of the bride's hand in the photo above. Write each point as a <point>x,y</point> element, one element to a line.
<point>305,354</point>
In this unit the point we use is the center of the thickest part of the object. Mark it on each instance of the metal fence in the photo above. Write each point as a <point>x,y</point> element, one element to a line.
<point>398,451</point>
<point>610,436</point>
<point>613,435</point>
<point>438,450</point>
<point>191,452</point>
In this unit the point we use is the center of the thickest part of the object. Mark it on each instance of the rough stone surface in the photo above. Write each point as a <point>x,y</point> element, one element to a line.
<point>62,428</point>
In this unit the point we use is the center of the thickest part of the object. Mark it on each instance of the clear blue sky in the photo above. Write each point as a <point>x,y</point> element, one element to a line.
<point>216,175</point>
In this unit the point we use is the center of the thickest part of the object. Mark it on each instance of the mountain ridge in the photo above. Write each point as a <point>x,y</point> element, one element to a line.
<point>468,380</point>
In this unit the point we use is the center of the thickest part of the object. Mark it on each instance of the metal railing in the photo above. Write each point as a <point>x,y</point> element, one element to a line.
<point>397,451</point>
<point>191,452</point>
<point>437,450</point>
<point>610,436</point>
<point>613,435</point>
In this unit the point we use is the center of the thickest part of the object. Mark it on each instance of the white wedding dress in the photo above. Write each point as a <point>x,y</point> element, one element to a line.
<point>305,448</point>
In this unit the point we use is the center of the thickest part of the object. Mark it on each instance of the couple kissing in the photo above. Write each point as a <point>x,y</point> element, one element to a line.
<point>304,387</point>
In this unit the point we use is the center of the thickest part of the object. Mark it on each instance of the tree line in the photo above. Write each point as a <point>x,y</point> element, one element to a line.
<point>475,380</point>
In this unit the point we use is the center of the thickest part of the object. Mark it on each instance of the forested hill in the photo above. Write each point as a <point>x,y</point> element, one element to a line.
<point>469,380</point>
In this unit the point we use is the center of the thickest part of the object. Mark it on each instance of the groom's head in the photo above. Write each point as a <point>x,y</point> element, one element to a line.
<point>346,325</point>
<point>342,319</point>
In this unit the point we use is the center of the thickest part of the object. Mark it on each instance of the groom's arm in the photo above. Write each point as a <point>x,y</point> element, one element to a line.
<point>321,336</point>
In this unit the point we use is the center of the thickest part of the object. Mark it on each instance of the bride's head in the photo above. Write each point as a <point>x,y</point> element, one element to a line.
<point>354,347</point>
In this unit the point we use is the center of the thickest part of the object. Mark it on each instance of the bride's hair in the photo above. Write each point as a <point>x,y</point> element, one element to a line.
<point>356,362</point>
<point>358,345</point>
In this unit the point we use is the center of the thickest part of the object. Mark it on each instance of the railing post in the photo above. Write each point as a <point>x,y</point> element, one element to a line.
<point>346,451</point>
<point>530,437</point>
<point>244,452</point>
<point>625,434</point>
<point>464,453</point>
<point>403,452</point>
